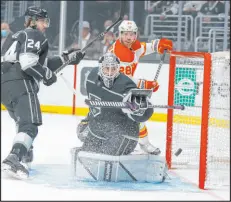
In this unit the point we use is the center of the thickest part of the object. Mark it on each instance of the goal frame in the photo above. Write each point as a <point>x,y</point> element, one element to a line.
<point>204,114</point>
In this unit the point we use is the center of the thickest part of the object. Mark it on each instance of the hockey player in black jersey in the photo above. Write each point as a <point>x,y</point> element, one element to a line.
<point>112,131</point>
<point>23,66</point>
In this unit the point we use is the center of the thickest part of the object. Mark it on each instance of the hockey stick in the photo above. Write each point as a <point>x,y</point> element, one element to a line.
<point>156,76</point>
<point>122,11</point>
<point>160,65</point>
<point>128,105</point>
<point>159,68</point>
<point>68,84</point>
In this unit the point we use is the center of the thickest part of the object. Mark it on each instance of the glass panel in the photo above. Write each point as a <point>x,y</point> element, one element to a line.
<point>97,15</point>
<point>52,33</point>
<point>191,25</point>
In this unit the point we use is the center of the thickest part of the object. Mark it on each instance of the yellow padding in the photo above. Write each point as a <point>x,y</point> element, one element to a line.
<point>56,109</point>
<point>196,120</point>
<point>51,109</point>
<point>81,111</point>
<point>157,117</point>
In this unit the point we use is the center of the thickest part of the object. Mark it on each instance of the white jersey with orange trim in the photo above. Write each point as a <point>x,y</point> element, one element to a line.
<point>129,57</point>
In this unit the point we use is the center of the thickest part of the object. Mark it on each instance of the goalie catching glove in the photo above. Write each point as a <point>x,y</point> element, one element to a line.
<point>139,104</point>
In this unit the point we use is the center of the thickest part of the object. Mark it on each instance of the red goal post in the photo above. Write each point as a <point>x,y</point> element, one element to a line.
<point>200,81</point>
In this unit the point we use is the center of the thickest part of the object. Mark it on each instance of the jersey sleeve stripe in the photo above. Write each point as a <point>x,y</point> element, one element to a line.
<point>25,41</point>
<point>144,45</point>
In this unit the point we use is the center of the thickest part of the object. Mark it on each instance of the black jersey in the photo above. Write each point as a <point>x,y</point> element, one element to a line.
<point>24,56</point>
<point>104,120</point>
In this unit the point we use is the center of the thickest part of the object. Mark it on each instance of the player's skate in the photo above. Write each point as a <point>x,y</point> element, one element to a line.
<point>12,166</point>
<point>147,147</point>
<point>28,158</point>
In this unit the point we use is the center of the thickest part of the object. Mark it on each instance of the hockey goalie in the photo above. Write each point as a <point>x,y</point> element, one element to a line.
<point>110,135</point>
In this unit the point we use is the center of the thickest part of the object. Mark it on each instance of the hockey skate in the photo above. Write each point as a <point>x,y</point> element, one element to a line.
<point>28,158</point>
<point>147,147</point>
<point>150,149</point>
<point>12,167</point>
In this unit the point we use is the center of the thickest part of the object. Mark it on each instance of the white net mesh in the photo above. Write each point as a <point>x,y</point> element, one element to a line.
<point>186,128</point>
<point>218,158</point>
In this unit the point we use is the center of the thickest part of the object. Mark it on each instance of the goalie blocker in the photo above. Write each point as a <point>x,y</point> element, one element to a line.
<point>88,166</point>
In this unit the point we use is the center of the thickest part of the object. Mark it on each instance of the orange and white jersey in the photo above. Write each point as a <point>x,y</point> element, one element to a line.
<point>129,57</point>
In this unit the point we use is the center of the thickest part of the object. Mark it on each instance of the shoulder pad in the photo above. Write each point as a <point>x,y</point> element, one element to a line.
<point>136,45</point>
<point>35,34</point>
<point>16,35</point>
<point>93,73</point>
<point>126,81</point>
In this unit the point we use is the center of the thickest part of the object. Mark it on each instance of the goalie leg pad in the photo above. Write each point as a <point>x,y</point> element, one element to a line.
<point>132,168</point>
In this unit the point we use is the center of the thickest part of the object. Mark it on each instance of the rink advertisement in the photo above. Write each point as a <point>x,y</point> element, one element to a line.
<point>188,88</point>
<point>185,87</point>
<point>58,98</point>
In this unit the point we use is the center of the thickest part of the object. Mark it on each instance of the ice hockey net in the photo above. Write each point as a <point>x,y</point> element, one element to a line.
<point>201,82</point>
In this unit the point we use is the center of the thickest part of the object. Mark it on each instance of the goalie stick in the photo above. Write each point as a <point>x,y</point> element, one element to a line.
<point>128,105</point>
<point>122,11</point>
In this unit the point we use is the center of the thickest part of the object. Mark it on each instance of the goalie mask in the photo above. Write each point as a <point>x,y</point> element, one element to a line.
<point>109,67</point>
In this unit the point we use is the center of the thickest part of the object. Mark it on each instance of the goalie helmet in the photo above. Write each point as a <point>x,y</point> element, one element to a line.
<point>109,67</point>
<point>128,26</point>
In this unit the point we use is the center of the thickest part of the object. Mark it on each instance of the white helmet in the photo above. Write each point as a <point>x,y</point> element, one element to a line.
<point>128,26</point>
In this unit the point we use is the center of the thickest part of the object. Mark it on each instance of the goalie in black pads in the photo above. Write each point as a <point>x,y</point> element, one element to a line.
<point>23,66</point>
<point>112,131</point>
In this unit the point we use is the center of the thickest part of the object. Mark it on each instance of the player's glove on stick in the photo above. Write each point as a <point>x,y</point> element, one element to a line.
<point>75,55</point>
<point>49,77</point>
<point>144,84</point>
<point>160,45</point>
<point>82,130</point>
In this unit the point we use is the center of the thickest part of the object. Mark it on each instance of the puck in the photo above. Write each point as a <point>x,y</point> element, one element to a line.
<point>178,152</point>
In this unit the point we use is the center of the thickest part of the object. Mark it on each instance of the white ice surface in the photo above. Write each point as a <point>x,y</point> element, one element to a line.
<point>50,179</point>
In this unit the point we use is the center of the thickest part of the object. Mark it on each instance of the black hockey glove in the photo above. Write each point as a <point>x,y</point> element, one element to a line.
<point>49,77</point>
<point>82,130</point>
<point>75,55</point>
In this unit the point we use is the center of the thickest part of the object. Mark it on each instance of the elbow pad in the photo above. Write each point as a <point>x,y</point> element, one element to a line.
<point>54,62</point>
<point>28,60</point>
<point>30,65</point>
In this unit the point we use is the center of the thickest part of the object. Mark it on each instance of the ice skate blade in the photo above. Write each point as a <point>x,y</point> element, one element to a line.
<point>156,153</point>
<point>27,165</point>
<point>150,151</point>
<point>5,167</point>
<point>18,175</point>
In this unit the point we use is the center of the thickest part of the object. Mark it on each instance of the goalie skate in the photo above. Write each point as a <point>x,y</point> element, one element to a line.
<point>13,168</point>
